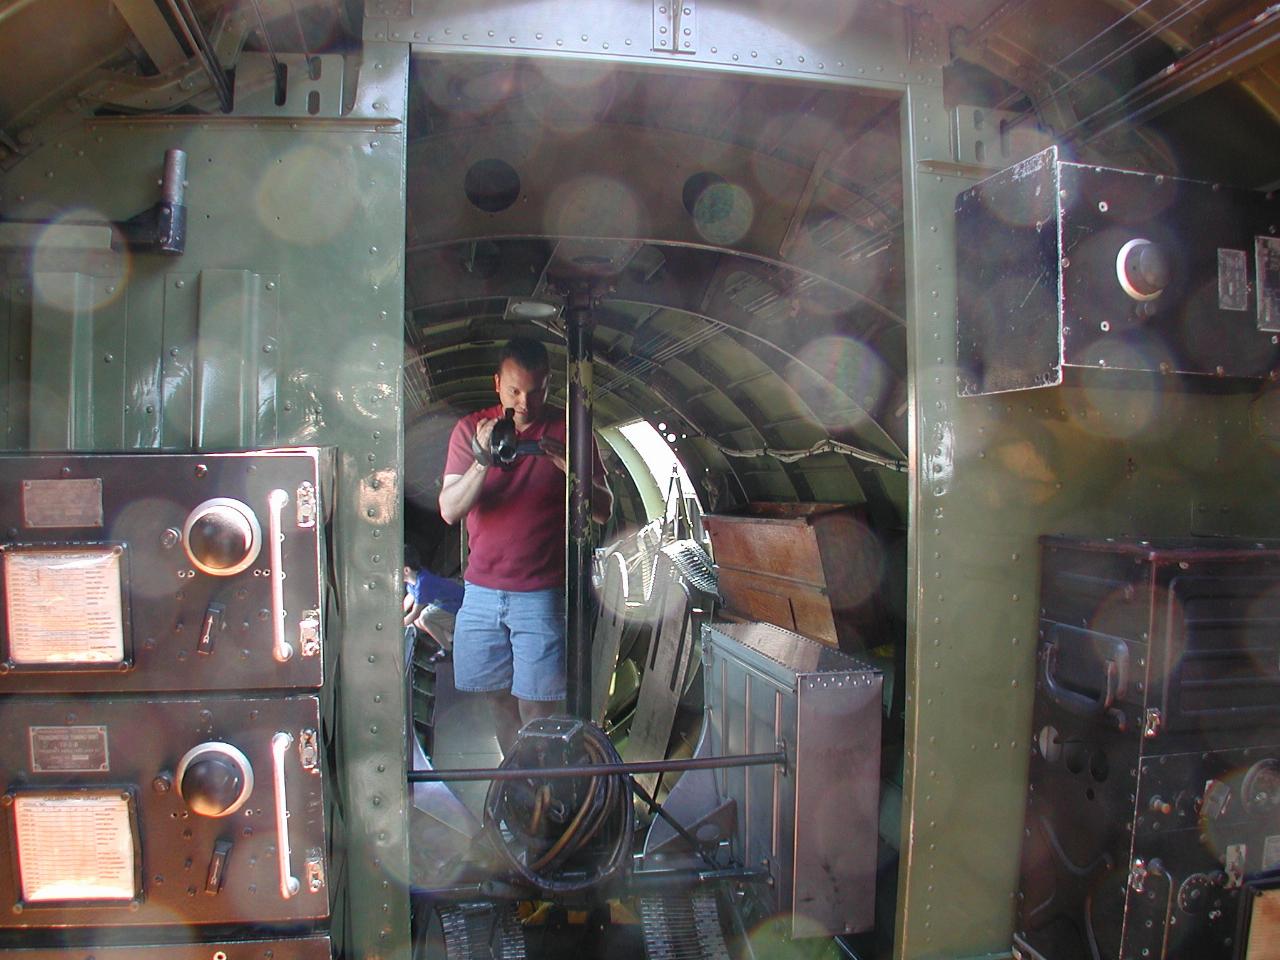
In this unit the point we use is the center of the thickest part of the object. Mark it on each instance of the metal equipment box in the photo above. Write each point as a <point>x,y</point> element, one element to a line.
<point>163,571</point>
<point>1154,791</point>
<point>127,812</point>
<point>813,824</point>
<point>1066,265</point>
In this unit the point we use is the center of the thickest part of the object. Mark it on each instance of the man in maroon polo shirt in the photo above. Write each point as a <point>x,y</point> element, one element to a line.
<point>509,636</point>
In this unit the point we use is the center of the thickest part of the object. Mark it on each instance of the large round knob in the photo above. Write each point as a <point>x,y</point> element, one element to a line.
<point>222,536</point>
<point>1142,269</point>
<point>215,779</point>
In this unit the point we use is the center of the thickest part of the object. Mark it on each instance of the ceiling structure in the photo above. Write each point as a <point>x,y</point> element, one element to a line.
<point>746,231</point>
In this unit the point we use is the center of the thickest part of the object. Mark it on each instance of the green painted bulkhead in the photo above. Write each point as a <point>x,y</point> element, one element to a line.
<point>324,297</point>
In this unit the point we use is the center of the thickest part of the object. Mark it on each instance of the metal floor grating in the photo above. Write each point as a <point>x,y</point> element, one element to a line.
<point>481,931</point>
<point>682,928</point>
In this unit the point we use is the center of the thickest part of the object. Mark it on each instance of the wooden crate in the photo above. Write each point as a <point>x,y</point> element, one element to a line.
<point>814,568</point>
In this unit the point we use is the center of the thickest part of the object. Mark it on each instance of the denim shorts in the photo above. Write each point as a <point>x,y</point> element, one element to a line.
<point>510,640</point>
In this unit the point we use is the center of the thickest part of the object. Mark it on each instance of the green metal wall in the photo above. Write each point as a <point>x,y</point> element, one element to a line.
<point>280,324</point>
<point>1108,455</point>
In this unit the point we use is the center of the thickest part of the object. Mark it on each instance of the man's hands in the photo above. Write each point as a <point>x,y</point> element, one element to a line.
<point>481,443</point>
<point>555,452</point>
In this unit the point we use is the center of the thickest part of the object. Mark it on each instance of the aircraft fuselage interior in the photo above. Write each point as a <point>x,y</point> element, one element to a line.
<point>929,351</point>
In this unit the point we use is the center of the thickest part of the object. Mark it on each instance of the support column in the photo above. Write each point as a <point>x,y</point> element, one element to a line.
<point>579,603</point>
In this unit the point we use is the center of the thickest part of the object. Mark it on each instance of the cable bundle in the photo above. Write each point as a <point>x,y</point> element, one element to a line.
<point>561,835</point>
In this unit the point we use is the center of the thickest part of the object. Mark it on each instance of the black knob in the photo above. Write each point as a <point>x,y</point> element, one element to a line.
<point>215,779</point>
<point>211,785</point>
<point>222,537</point>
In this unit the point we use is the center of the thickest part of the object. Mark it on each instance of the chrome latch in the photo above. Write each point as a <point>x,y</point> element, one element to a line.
<point>307,508</point>
<point>1138,876</point>
<point>309,633</point>
<point>1152,721</point>
<point>314,871</point>
<point>309,750</point>
<point>1233,866</point>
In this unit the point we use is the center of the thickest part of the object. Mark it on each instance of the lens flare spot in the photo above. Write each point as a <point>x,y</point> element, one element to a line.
<point>723,213</point>
<point>594,206</point>
<point>61,279</point>
<point>309,196</point>
<point>851,366</point>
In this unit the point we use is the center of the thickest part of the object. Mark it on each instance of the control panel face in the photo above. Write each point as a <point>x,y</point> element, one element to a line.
<point>134,812</point>
<point>162,572</point>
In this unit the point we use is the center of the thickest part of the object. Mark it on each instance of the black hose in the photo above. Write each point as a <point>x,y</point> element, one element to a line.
<point>573,860</point>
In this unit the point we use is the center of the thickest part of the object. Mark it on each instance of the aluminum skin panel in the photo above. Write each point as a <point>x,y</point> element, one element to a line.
<point>144,743</point>
<point>186,629</point>
<point>814,824</point>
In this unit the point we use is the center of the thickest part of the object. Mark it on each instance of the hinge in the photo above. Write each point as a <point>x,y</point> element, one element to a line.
<point>675,26</point>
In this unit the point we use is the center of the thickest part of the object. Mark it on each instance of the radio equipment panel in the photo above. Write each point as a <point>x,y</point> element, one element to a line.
<point>143,812</point>
<point>162,572</point>
<point>1154,783</point>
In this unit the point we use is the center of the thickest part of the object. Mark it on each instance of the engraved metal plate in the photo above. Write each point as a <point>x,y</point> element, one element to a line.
<point>62,503</point>
<point>1233,279</point>
<point>1267,250</point>
<point>80,749</point>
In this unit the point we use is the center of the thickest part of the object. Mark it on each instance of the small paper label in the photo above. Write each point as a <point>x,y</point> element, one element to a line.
<point>64,606</point>
<point>75,848</point>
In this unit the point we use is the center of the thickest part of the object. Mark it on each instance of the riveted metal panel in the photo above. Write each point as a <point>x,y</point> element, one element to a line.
<point>989,476</point>
<point>235,364</point>
<point>870,42</point>
<point>317,205</point>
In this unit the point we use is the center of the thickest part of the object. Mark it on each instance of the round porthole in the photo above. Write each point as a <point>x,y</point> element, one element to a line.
<point>492,185</point>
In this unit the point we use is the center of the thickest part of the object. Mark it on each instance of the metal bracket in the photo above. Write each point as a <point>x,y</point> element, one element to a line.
<point>305,504</point>
<point>1152,721</point>
<point>309,750</point>
<point>314,871</point>
<point>675,26</point>
<point>309,633</point>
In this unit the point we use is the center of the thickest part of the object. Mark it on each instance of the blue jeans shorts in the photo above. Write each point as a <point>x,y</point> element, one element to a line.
<point>510,640</point>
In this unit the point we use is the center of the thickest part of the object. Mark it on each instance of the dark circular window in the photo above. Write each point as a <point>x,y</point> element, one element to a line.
<point>696,185</point>
<point>492,185</point>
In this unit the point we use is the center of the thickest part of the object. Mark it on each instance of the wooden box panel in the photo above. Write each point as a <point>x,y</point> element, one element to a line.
<point>813,568</point>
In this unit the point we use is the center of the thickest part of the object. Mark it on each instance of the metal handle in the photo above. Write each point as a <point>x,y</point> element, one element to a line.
<point>1078,702</point>
<point>281,649</point>
<point>280,745</point>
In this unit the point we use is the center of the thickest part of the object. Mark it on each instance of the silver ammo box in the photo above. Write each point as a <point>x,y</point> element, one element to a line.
<point>814,823</point>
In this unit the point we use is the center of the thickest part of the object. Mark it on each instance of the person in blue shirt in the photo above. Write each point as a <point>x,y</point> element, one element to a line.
<point>430,604</point>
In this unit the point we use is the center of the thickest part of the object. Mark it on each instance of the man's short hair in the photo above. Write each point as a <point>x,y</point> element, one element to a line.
<point>412,559</point>
<point>526,352</point>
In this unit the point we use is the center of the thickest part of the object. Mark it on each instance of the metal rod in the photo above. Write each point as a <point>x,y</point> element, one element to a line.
<point>676,825</point>
<point>598,769</point>
<point>579,610</point>
<point>499,890</point>
<point>196,38</point>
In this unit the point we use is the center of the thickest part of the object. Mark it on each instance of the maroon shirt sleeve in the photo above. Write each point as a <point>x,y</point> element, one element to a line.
<point>460,457</point>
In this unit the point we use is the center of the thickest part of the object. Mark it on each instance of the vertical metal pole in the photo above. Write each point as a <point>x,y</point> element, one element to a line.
<point>579,606</point>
